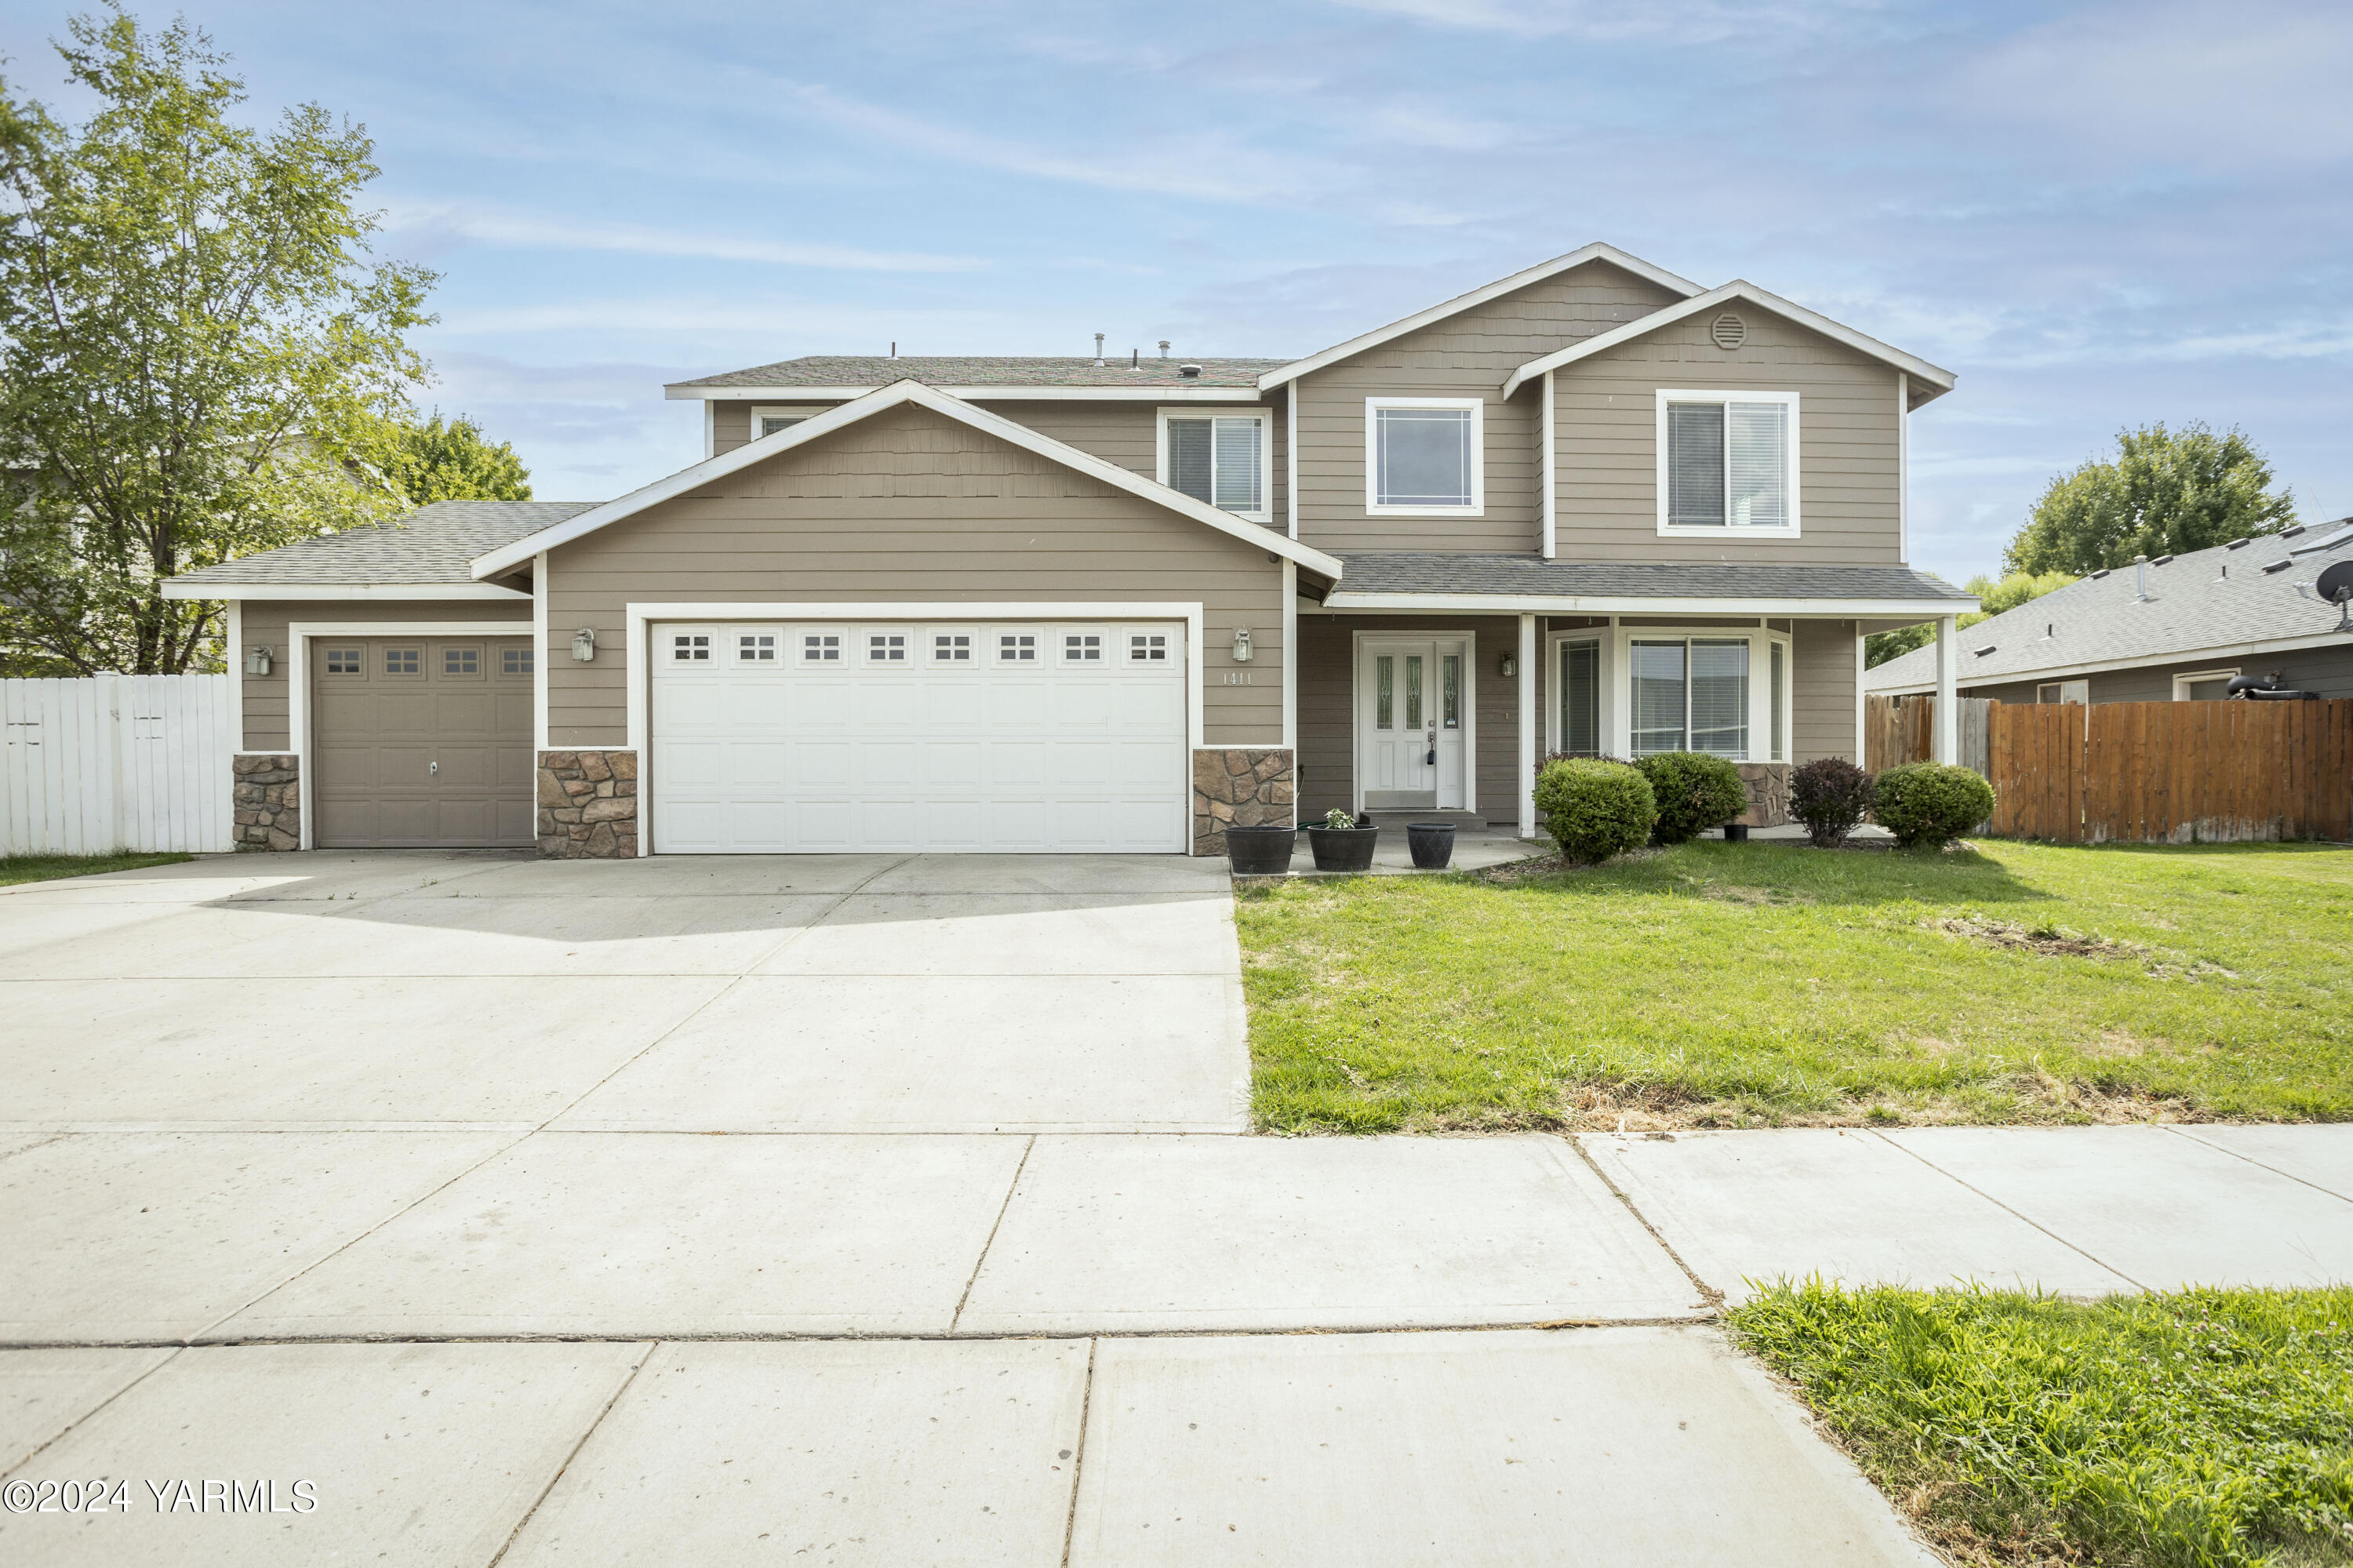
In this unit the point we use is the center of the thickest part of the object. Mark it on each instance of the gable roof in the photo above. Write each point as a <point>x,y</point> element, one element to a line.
<point>968,376</point>
<point>1935,376</point>
<point>432,548</point>
<point>819,426</point>
<point>1460,302</point>
<point>2194,606</point>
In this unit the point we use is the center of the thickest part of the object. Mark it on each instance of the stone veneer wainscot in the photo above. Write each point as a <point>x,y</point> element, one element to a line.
<point>1245,786</point>
<point>265,794</point>
<point>589,805</point>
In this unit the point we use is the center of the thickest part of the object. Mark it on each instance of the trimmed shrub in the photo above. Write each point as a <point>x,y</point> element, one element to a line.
<point>1595,809</point>
<point>1930,803</point>
<point>1830,795</point>
<point>1695,792</point>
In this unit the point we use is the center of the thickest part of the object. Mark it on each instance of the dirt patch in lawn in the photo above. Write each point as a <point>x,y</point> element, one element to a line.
<point>2054,940</point>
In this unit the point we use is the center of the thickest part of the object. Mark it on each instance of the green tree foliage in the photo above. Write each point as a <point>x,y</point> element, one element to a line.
<point>423,462</point>
<point>2011,591</point>
<point>2165,493</point>
<point>193,344</point>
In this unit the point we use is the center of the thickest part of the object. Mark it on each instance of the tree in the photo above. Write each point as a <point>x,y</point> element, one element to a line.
<point>2165,493</point>
<point>193,344</point>
<point>2012,590</point>
<point>422,462</point>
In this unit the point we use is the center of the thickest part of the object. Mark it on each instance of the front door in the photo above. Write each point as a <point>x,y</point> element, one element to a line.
<point>1413,705</point>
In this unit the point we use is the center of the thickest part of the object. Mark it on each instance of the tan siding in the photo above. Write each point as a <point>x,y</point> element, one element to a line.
<point>731,426</point>
<point>909,505</point>
<point>265,623</point>
<point>1467,355</point>
<point>1328,746</point>
<point>1606,421</point>
<point>1822,695</point>
<point>1129,435</point>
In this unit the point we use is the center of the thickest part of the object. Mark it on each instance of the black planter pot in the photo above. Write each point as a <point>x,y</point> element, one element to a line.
<point>1343,849</point>
<point>1432,844</point>
<point>1261,851</point>
<point>1735,832</point>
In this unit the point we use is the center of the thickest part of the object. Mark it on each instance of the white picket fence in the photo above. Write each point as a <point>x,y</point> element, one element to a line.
<point>116,763</point>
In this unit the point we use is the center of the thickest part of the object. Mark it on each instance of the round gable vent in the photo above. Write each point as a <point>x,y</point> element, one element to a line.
<point>1729,330</point>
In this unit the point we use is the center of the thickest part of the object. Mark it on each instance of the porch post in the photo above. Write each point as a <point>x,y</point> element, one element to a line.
<point>1527,785</point>
<point>1948,684</point>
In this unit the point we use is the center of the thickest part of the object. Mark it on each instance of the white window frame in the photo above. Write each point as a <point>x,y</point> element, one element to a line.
<point>779,411</point>
<point>2082,689</point>
<point>1373,505</point>
<point>1727,530</point>
<point>1618,683</point>
<point>1265,420</point>
<point>2182,682</point>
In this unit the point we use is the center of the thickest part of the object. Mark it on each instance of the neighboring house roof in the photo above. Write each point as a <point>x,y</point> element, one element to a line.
<point>2194,610</point>
<point>1476,297</point>
<point>818,426</point>
<point>425,554</point>
<point>1449,581</point>
<point>970,376</point>
<point>1939,379</point>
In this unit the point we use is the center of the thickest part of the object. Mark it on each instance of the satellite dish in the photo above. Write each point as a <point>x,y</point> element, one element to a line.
<point>2335,586</point>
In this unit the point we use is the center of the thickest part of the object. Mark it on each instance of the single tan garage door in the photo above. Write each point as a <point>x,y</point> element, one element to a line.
<point>421,742</point>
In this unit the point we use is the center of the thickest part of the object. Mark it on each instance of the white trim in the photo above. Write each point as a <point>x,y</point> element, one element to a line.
<point>2247,650</point>
<point>1265,420</point>
<point>1902,468</point>
<point>325,593</point>
<point>233,637</point>
<point>981,394</point>
<point>1944,745</point>
<point>1469,711</point>
<point>1476,297</point>
<point>2182,682</point>
<point>1727,529</point>
<point>758,411</point>
<point>539,654</point>
<point>1291,461</point>
<point>1375,508</point>
<point>1861,753</point>
<point>891,397</point>
<point>1290,664</point>
<point>1526,788</point>
<point>710,430</point>
<point>1545,459</point>
<point>1738,289</point>
<point>298,682</point>
<point>1603,604</point>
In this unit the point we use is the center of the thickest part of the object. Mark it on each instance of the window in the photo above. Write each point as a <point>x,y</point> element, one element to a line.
<point>2204,686</point>
<point>402,660</point>
<point>342,661</point>
<point>1219,457</point>
<point>690,648</point>
<point>1147,646</point>
<point>1083,647</point>
<point>1423,456</point>
<point>1384,691</point>
<point>1450,673</point>
<point>1580,698</point>
<point>1413,691</point>
<point>518,661</point>
<point>461,661</point>
<point>952,648</point>
<point>1728,460</point>
<point>821,648</point>
<point>755,647</point>
<point>1017,648</point>
<point>886,647</point>
<point>1690,694</point>
<point>767,421</point>
<point>2063,692</point>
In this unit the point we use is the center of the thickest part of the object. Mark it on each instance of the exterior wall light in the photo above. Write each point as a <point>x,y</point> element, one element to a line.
<point>1242,646</point>
<point>584,644</point>
<point>257,662</point>
<point>1507,666</point>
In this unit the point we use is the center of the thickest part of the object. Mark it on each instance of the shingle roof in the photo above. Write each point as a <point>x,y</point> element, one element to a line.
<point>986,370</point>
<point>1533,575</point>
<point>434,544</point>
<point>2193,604</point>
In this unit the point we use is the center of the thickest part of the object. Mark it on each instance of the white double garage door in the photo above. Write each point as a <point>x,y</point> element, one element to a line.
<point>773,738</point>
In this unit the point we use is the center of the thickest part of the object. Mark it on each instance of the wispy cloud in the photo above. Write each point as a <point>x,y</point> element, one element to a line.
<point>534,231</point>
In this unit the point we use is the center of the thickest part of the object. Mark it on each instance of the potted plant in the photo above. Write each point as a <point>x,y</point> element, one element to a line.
<point>1264,851</point>
<point>1343,842</point>
<point>1432,844</point>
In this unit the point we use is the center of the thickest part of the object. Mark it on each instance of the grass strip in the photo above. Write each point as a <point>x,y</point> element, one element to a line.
<point>16,868</point>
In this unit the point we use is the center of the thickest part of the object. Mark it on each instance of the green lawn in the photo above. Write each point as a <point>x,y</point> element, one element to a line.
<point>1754,984</point>
<point>2203,1429</point>
<point>16,868</point>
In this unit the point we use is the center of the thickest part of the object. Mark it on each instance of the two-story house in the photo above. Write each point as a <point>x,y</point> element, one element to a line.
<point>1112,604</point>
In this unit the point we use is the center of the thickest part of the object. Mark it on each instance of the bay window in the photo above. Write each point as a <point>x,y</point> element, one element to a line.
<point>1219,458</point>
<point>1728,463</point>
<point>1638,691</point>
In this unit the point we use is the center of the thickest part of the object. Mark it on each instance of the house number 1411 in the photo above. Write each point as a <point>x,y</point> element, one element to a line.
<point>1238,677</point>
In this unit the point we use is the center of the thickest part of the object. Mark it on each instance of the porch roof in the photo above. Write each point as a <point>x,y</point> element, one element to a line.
<point>1394,581</point>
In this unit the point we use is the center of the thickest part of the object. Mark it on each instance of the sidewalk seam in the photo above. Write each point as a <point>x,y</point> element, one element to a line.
<point>1971,1187</point>
<point>1707,1293</point>
<point>588,1432</point>
<point>1079,1453</point>
<point>2220,1148</point>
<point>1010,1188</point>
<point>69,1427</point>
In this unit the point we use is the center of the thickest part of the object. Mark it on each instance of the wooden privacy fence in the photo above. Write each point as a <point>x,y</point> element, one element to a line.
<point>2173,772</point>
<point>1903,731</point>
<point>116,762</point>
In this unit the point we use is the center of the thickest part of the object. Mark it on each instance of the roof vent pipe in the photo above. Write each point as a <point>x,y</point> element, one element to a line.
<point>1135,359</point>
<point>1099,351</point>
<point>1189,372</point>
<point>2140,578</point>
<point>894,348</point>
<point>1163,348</point>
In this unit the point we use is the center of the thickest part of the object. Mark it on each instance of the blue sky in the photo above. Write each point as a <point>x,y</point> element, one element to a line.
<point>2098,216</point>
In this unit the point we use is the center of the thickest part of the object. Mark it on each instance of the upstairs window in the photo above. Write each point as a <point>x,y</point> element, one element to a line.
<point>1220,459</point>
<point>1423,456</point>
<point>1727,461</point>
<point>767,421</point>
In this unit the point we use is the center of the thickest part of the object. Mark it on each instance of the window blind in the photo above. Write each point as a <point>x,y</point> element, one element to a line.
<point>1759,441</point>
<point>1580,698</point>
<point>1719,697</point>
<point>1695,465</point>
<point>1217,459</point>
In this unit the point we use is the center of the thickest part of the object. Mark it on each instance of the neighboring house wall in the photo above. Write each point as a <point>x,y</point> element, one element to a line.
<point>1606,425</point>
<point>2328,671</point>
<point>266,620</point>
<point>906,505</point>
<point>1467,354</point>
